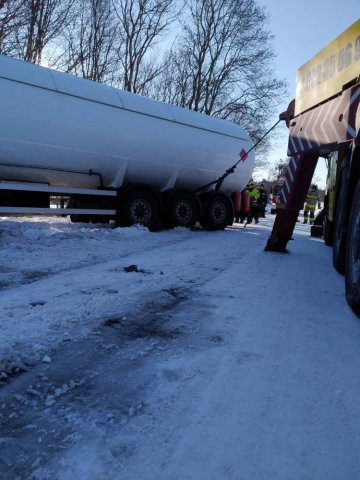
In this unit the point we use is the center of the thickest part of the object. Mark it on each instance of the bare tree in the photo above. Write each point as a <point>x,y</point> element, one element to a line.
<point>87,45</point>
<point>11,19</point>
<point>221,64</point>
<point>110,41</point>
<point>142,23</point>
<point>38,22</point>
<point>279,169</point>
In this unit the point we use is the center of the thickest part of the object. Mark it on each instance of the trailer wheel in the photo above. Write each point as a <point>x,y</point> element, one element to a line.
<point>352,276</point>
<point>139,207</point>
<point>183,210</point>
<point>218,212</point>
<point>339,244</point>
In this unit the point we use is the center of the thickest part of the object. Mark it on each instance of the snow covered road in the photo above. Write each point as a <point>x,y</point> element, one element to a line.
<point>208,360</point>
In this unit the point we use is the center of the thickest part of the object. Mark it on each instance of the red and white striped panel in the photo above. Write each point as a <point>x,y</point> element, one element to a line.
<point>332,122</point>
<point>329,124</point>
<point>291,174</point>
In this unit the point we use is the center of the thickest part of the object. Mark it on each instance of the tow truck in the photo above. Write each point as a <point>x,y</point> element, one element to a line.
<point>324,121</point>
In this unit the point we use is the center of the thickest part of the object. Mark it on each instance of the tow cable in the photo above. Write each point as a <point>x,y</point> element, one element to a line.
<point>243,155</point>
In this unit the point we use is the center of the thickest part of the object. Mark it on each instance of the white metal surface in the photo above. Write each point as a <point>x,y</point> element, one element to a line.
<point>55,211</point>
<point>31,187</point>
<point>53,120</point>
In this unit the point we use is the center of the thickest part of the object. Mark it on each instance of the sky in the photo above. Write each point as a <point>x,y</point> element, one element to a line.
<point>302,29</point>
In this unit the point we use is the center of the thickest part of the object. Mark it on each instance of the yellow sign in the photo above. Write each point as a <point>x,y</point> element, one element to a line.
<point>325,74</point>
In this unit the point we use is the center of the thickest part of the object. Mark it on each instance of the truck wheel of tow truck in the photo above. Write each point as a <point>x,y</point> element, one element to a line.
<point>328,232</point>
<point>352,275</point>
<point>316,231</point>
<point>139,207</point>
<point>339,247</point>
<point>218,212</point>
<point>182,210</point>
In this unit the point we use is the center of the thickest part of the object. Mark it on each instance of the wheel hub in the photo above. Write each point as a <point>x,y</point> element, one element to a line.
<point>183,212</point>
<point>218,212</point>
<point>140,211</point>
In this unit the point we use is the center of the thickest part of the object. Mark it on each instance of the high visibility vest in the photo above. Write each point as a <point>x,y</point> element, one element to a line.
<point>311,201</point>
<point>254,195</point>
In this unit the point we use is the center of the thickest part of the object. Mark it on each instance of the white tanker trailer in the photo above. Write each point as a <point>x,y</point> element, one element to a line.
<point>112,154</point>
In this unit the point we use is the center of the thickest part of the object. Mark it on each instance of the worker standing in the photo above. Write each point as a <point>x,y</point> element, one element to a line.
<point>263,199</point>
<point>254,195</point>
<point>310,204</point>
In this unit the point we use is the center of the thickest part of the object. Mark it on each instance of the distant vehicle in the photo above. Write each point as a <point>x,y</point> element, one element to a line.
<point>111,154</point>
<point>324,120</point>
<point>275,198</point>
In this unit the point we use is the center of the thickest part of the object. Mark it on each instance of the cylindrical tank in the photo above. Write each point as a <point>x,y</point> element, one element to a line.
<point>245,202</point>
<point>236,199</point>
<point>55,128</point>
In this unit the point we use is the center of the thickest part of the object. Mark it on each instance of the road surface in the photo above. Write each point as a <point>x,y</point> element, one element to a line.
<point>178,355</point>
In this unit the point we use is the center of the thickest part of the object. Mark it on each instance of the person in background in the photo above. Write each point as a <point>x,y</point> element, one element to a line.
<point>310,204</point>
<point>263,199</point>
<point>254,195</point>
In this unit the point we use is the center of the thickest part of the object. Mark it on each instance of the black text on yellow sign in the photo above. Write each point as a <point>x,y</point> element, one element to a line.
<point>332,68</point>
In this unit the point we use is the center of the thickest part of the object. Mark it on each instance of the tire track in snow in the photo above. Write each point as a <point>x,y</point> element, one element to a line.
<point>103,380</point>
<point>31,276</point>
<point>58,425</point>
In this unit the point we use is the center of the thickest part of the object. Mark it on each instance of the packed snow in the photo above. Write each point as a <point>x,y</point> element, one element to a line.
<point>176,355</point>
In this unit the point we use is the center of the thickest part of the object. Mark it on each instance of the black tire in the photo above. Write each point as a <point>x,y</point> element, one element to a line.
<point>218,213</point>
<point>139,207</point>
<point>352,275</point>
<point>339,244</point>
<point>182,210</point>
<point>316,231</point>
<point>328,233</point>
